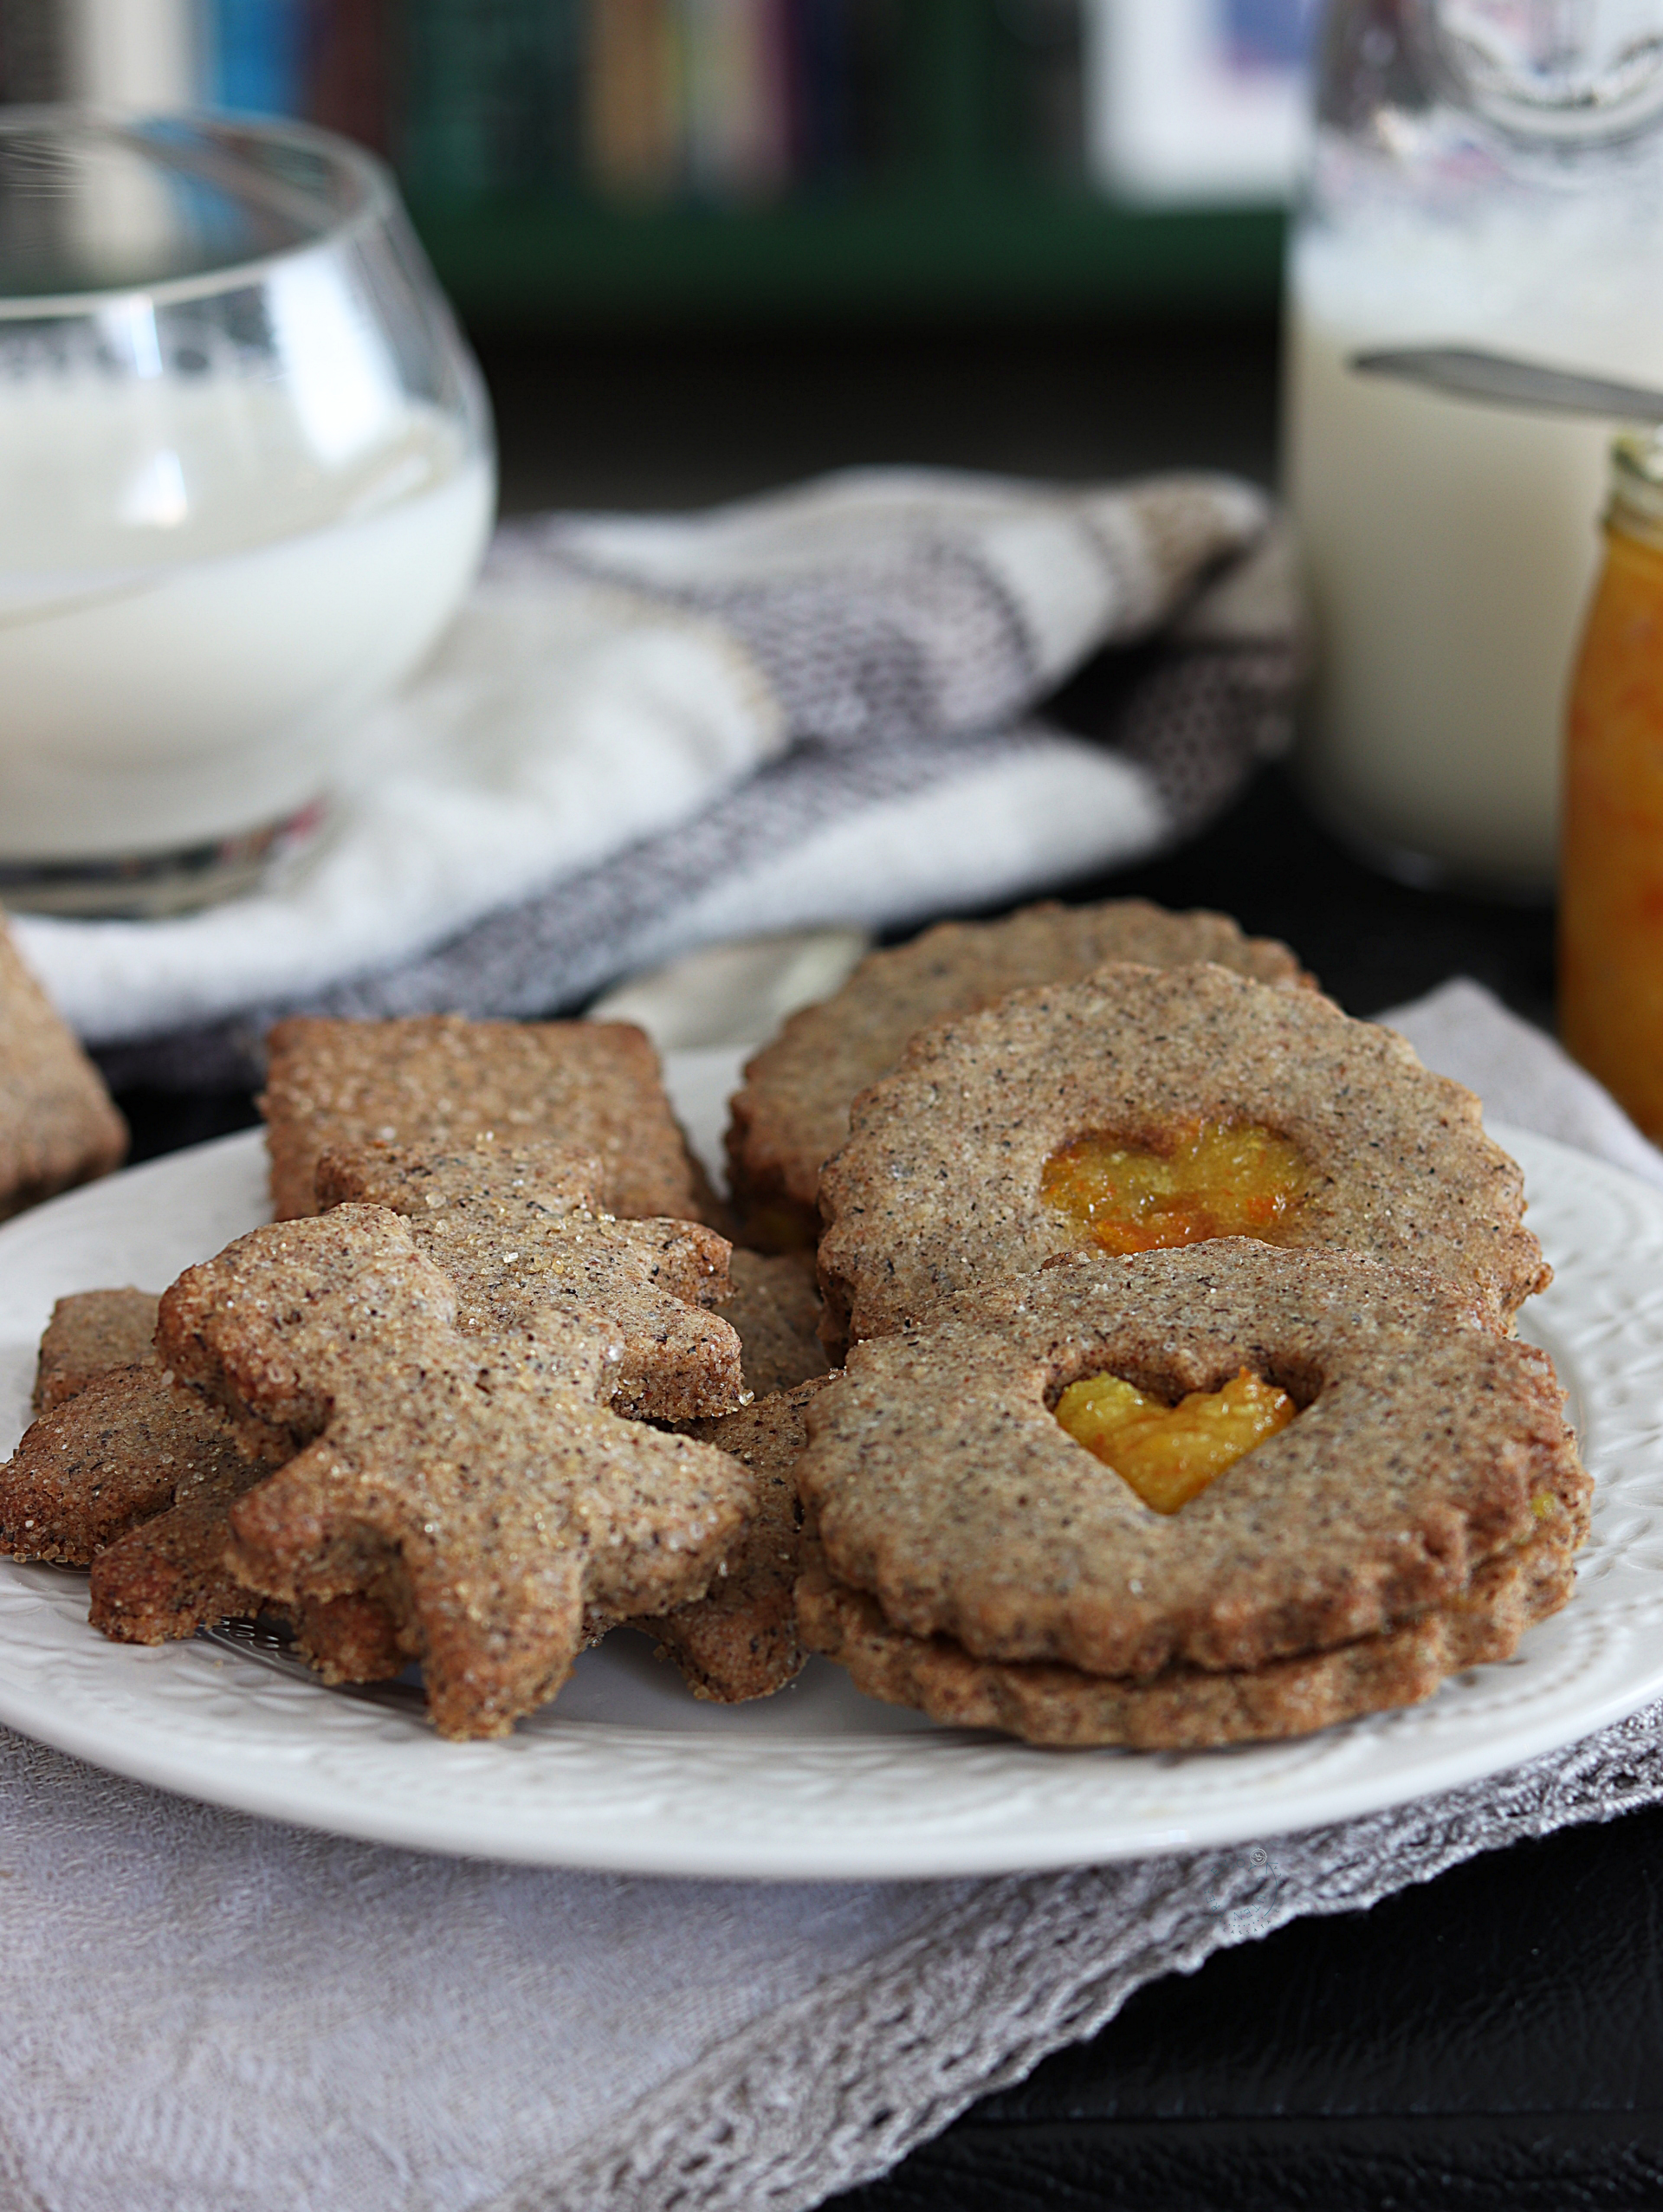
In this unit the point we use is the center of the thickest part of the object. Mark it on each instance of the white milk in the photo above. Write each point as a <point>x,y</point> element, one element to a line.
<point>193,608</point>
<point>1451,547</point>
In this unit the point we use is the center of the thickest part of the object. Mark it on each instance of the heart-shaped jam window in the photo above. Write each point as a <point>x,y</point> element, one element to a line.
<point>1221,1179</point>
<point>1170,1453</point>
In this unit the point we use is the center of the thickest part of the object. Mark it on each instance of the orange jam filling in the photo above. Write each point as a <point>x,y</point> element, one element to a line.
<point>1222,1178</point>
<point>1170,1453</point>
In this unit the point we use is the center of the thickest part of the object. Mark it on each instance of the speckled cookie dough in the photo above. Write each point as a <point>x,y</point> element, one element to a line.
<point>167,1576</point>
<point>1184,1708</point>
<point>133,1477</point>
<point>58,1125</point>
<point>774,1305</point>
<point>89,1333</point>
<point>938,1478</point>
<point>938,1189</point>
<point>438,1079</point>
<point>740,1639</point>
<point>793,1113</point>
<point>105,1459</point>
<point>490,1508</point>
<point>515,1227</point>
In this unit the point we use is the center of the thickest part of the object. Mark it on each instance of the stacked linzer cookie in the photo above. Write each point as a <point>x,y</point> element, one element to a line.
<point>1179,1403</point>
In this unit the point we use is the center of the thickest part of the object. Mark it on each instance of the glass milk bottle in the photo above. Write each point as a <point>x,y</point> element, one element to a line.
<point>1488,173</point>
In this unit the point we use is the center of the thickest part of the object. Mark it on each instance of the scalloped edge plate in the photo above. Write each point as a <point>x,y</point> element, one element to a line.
<point>626,1772</point>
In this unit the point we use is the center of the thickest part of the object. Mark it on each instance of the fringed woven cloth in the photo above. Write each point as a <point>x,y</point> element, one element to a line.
<point>643,735</point>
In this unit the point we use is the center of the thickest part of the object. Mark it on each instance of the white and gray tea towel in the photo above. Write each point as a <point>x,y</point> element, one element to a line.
<point>210,2013</point>
<point>644,734</point>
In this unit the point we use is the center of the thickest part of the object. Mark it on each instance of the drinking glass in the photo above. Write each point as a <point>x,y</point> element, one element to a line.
<point>246,476</point>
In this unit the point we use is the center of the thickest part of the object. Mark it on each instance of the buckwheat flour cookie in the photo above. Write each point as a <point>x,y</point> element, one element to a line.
<point>516,1227</point>
<point>740,1639</point>
<point>441,1080</point>
<point>793,1113</point>
<point>488,1507</point>
<point>939,1479</point>
<point>101,1461</point>
<point>57,1123</point>
<point>1155,1107</point>
<point>168,1577</point>
<point>89,1333</point>
<point>164,1579</point>
<point>132,1477</point>
<point>774,1307</point>
<point>1185,1708</point>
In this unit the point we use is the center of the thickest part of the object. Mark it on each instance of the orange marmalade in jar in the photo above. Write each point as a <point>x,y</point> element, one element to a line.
<point>1611,854</point>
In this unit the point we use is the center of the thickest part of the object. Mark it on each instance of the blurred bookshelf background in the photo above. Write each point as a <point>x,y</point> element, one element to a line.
<point>706,246</point>
<point>578,161</point>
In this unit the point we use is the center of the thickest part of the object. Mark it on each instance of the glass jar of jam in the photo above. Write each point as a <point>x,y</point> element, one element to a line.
<point>1611,869</point>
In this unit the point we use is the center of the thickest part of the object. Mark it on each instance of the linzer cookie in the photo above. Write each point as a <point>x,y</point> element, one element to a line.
<point>440,1081</point>
<point>489,1508</point>
<point>1145,1107</point>
<point>940,1481</point>
<point>793,1113</point>
<point>57,1123</point>
<point>1185,1708</point>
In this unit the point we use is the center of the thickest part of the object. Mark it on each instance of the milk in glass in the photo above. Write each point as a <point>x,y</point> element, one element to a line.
<point>245,478</point>
<point>181,662</point>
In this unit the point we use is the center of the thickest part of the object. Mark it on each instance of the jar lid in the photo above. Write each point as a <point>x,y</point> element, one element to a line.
<point>1637,484</point>
<point>1555,72</point>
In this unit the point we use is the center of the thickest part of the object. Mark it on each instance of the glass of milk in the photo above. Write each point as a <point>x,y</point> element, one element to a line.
<point>1486,173</point>
<point>246,476</point>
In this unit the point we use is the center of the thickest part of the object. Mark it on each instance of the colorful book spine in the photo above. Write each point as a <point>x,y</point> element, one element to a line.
<point>258,55</point>
<point>488,96</point>
<point>720,101</point>
<point>735,111</point>
<point>348,67</point>
<point>632,98</point>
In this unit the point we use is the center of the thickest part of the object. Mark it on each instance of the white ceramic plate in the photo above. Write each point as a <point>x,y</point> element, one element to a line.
<point>626,1771</point>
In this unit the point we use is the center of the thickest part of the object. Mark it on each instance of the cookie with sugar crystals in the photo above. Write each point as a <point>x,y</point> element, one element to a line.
<point>494,1509</point>
<point>739,1640</point>
<point>939,1479</point>
<point>517,1228</point>
<point>441,1080</point>
<point>774,1308</point>
<point>972,1162</point>
<point>101,1461</point>
<point>1185,1708</point>
<point>132,1477</point>
<point>58,1124</point>
<point>166,1577</point>
<point>793,1113</point>
<point>89,1333</point>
